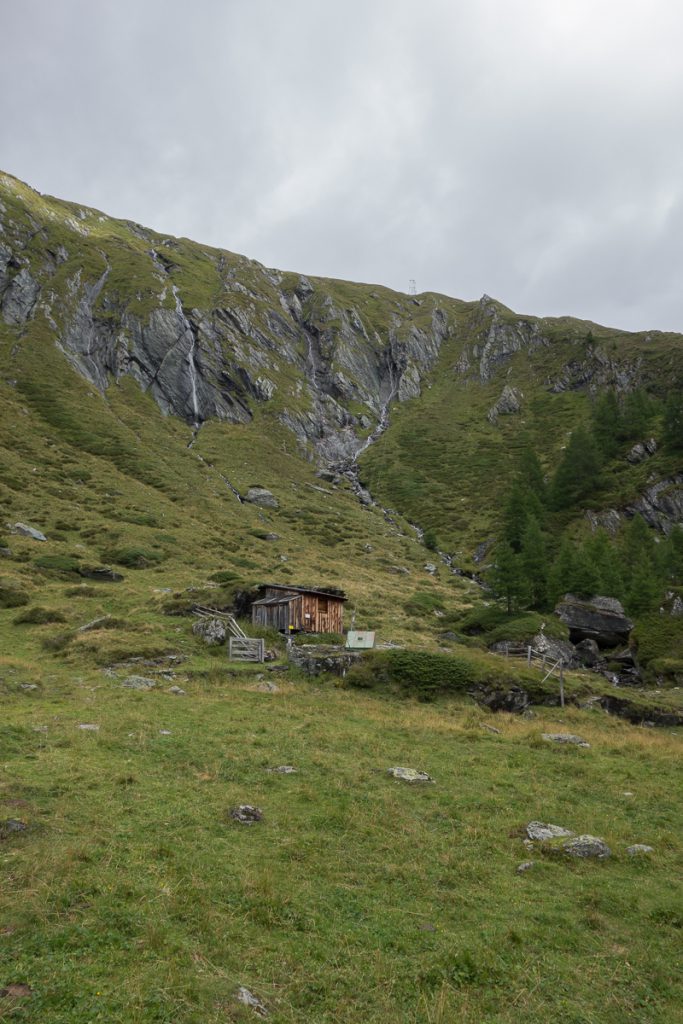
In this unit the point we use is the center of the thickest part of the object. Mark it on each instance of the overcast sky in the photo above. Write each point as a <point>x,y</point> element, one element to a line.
<point>530,149</point>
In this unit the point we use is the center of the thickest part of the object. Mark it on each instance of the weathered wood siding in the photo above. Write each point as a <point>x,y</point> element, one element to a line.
<point>303,612</point>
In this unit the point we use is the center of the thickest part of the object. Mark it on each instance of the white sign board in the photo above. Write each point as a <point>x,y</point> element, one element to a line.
<point>358,640</point>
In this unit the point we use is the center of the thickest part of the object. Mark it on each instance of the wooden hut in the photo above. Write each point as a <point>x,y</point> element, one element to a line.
<point>299,609</point>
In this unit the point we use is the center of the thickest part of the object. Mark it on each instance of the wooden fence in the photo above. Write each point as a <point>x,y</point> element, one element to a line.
<point>240,646</point>
<point>547,665</point>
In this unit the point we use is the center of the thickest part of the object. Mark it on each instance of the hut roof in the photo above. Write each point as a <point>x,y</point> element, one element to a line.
<point>320,592</point>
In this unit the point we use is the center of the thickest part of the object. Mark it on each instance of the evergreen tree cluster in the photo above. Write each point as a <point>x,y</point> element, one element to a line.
<point>536,561</point>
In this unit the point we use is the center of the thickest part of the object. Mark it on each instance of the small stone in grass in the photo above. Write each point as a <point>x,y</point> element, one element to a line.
<point>587,846</point>
<point>541,831</point>
<point>249,999</point>
<point>139,683</point>
<point>639,850</point>
<point>283,769</point>
<point>246,814</point>
<point>564,737</point>
<point>164,732</point>
<point>526,865</point>
<point>409,775</point>
<point>177,690</point>
<point>89,727</point>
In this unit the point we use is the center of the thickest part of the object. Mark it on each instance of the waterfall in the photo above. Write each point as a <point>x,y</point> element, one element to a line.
<point>192,366</point>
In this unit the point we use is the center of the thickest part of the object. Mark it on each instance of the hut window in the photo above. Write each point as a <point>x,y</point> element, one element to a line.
<point>322,605</point>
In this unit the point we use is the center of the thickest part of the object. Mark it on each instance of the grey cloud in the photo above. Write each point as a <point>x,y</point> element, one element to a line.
<point>530,150</point>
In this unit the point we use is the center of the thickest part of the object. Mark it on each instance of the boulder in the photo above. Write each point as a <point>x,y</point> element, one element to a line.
<point>262,497</point>
<point>639,850</point>
<point>100,573</point>
<point>587,653</point>
<point>586,846</point>
<point>555,650</point>
<point>642,450</point>
<point>315,659</point>
<point>28,531</point>
<point>211,631</point>
<point>515,699</point>
<point>508,403</point>
<point>245,814</point>
<point>601,619</point>
<point>139,683</point>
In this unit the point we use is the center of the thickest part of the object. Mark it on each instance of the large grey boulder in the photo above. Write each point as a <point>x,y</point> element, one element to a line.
<point>554,650</point>
<point>601,619</point>
<point>508,403</point>
<point>542,831</point>
<point>587,846</point>
<point>262,497</point>
<point>588,653</point>
<point>211,631</point>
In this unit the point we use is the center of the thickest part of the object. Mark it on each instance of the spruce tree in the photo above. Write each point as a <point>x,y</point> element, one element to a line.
<point>507,578</point>
<point>606,424</point>
<point>578,474</point>
<point>562,571</point>
<point>673,419</point>
<point>535,563</point>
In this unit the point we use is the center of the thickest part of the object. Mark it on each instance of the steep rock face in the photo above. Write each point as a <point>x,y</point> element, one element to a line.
<point>219,360</point>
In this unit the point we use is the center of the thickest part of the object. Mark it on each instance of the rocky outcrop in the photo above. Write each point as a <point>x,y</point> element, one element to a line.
<point>661,504</point>
<point>601,619</point>
<point>316,659</point>
<point>261,496</point>
<point>508,403</point>
<point>642,450</point>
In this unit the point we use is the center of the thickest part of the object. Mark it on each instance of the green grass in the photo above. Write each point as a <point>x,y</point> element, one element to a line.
<point>132,896</point>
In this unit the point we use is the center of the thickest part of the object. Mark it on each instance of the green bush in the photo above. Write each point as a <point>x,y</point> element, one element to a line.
<point>38,616</point>
<point>12,596</point>
<point>133,558</point>
<point>423,602</point>
<point>413,672</point>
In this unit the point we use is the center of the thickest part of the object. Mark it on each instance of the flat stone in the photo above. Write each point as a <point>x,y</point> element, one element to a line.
<point>526,865</point>
<point>29,686</point>
<point>246,814</point>
<point>89,727</point>
<point>409,775</point>
<point>139,683</point>
<point>262,497</point>
<point>177,691</point>
<point>565,737</point>
<point>587,846</point>
<point>29,531</point>
<point>267,687</point>
<point>283,769</point>
<point>11,825</point>
<point>639,850</point>
<point>541,831</point>
<point>165,732</point>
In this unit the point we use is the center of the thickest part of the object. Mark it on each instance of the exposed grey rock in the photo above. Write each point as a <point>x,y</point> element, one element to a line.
<point>89,727</point>
<point>508,403</point>
<point>526,865</point>
<point>555,650</point>
<point>10,826</point>
<point>28,531</point>
<point>245,814</point>
<point>177,691</point>
<point>514,699</point>
<point>610,521</point>
<point>540,831</point>
<point>642,450</point>
<point>481,550</point>
<point>587,653</point>
<point>565,737</point>
<point>247,998</point>
<point>409,775</point>
<point>587,846</point>
<point>676,606</point>
<point>430,568</point>
<point>29,686</point>
<point>399,570</point>
<point>20,298</point>
<point>139,683</point>
<point>211,631</point>
<point>283,769</point>
<point>661,504</point>
<point>601,619</point>
<point>6,553</point>
<point>316,659</point>
<point>639,850</point>
<point>490,728</point>
<point>267,687</point>
<point>94,624</point>
<point>262,497</point>
<point>101,574</point>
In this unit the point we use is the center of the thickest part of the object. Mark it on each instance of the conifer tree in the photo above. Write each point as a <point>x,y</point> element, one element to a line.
<point>508,579</point>
<point>637,414</point>
<point>535,563</point>
<point>562,571</point>
<point>530,473</point>
<point>600,551</point>
<point>606,424</point>
<point>578,474</point>
<point>644,591</point>
<point>673,419</point>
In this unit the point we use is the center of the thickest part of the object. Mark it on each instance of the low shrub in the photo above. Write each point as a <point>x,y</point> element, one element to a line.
<point>58,563</point>
<point>424,602</point>
<point>83,591</point>
<point>12,596</point>
<point>133,558</point>
<point>38,616</point>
